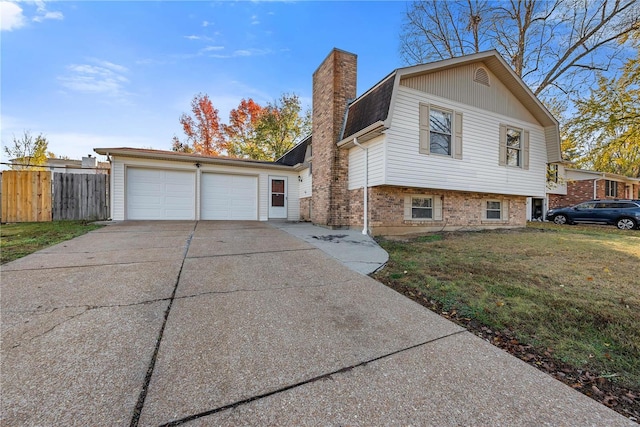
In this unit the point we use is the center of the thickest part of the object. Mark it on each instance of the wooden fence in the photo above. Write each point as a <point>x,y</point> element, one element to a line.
<point>32,196</point>
<point>80,196</point>
<point>26,196</point>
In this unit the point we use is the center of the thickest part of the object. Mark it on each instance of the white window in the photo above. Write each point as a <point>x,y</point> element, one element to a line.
<point>611,188</point>
<point>552,173</point>
<point>514,147</point>
<point>420,207</point>
<point>495,210</point>
<point>440,131</point>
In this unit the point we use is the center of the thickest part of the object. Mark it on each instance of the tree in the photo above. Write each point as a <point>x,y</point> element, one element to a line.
<point>555,44</point>
<point>28,152</point>
<point>281,126</point>
<point>254,132</point>
<point>240,133</point>
<point>202,129</point>
<point>608,122</point>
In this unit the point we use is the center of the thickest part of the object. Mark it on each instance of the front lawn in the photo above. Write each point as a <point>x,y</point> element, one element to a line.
<point>21,239</point>
<point>561,296</point>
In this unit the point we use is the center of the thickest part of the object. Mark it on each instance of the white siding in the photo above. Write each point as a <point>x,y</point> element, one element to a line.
<point>120,164</point>
<point>478,171</point>
<point>376,148</point>
<point>561,186</point>
<point>305,185</point>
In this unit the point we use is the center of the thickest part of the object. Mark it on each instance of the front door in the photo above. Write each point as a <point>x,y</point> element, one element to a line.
<point>278,197</point>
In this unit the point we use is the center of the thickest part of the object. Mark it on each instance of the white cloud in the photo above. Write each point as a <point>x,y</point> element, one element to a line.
<point>49,15</point>
<point>101,77</point>
<point>11,16</point>
<point>244,53</point>
<point>206,23</point>
<point>212,48</point>
<point>254,20</point>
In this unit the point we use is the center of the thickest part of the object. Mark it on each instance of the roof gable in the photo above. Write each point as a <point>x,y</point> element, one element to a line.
<point>498,68</point>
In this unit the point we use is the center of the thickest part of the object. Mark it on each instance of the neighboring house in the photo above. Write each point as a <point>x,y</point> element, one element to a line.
<point>573,186</point>
<point>88,165</point>
<point>459,143</point>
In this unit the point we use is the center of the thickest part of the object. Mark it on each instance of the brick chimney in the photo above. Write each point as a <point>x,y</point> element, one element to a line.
<point>334,85</point>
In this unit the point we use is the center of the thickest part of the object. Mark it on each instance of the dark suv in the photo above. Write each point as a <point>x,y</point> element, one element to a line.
<point>625,214</point>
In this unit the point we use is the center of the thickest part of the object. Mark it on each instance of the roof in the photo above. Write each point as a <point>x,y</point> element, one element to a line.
<point>371,107</point>
<point>146,153</point>
<point>297,154</point>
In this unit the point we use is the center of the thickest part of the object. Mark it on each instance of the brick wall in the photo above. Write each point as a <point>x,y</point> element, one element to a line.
<point>460,210</point>
<point>305,209</point>
<point>334,85</point>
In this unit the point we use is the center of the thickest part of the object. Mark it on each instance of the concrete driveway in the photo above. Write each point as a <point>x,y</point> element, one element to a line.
<point>241,323</point>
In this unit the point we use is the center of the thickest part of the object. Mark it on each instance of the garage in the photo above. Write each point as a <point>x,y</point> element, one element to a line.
<point>228,197</point>
<point>160,194</point>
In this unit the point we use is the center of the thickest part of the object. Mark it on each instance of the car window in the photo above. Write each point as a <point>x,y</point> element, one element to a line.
<point>604,205</point>
<point>628,205</point>
<point>587,205</point>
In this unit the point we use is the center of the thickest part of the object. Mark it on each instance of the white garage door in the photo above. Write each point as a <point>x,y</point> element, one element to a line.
<point>160,194</point>
<point>228,197</point>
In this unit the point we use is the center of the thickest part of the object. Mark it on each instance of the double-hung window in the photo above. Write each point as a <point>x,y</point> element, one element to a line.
<point>495,210</point>
<point>552,173</point>
<point>420,207</point>
<point>611,188</point>
<point>440,131</point>
<point>514,147</point>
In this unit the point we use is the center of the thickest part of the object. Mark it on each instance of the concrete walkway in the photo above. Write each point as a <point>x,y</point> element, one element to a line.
<point>240,323</point>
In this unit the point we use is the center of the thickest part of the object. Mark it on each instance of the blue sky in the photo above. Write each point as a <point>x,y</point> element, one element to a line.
<point>119,73</point>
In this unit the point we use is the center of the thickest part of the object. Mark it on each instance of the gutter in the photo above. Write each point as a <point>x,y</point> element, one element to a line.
<point>365,186</point>
<point>349,142</point>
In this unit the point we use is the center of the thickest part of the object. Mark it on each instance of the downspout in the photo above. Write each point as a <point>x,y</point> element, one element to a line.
<point>595,186</point>
<point>366,185</point>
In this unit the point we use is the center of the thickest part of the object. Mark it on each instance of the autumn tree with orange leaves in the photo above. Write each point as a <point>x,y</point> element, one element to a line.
<point>240,133</point>
<point>202,129</point>
<point>253,132</point>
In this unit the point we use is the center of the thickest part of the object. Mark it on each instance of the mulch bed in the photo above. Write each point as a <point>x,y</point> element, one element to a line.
<point>622,400</point>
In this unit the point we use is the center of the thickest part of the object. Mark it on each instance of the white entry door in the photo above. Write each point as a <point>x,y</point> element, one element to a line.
<point>277,197</point>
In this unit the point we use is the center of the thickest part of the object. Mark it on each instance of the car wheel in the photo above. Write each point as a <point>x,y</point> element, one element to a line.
<point>626,224</point>
<point>561,219</point>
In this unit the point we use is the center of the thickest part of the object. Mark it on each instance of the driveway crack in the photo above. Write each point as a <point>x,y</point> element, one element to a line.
<point>326,376</point>
<point>135,418</point>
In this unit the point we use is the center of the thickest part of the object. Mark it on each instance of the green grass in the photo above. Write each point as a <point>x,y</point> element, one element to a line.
<point>575,290</point>
<point>21,239</point>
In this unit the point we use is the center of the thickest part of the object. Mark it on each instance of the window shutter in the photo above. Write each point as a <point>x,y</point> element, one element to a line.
<point>437,208</point>
<point>483,206</point>
<point>457,146</point>
<point>407,207</point>
<point>424,130</point>
<point>525,149</point>
<point>502,161</point>
<point>504,204</point>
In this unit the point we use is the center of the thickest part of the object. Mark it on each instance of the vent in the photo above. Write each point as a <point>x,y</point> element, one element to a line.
<point>481,76</point>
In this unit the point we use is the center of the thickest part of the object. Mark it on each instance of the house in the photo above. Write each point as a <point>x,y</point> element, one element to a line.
<point>569,186</point>
<point>458,143</point>
<point>88,165</point>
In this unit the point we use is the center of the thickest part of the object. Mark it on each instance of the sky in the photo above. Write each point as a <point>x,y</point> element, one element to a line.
<point>92,74</point>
